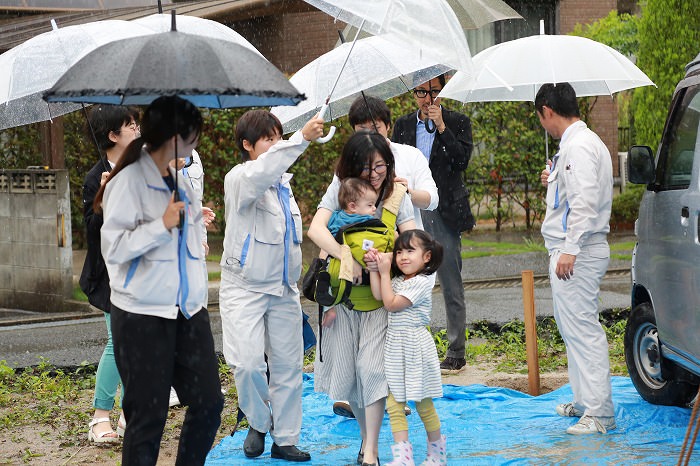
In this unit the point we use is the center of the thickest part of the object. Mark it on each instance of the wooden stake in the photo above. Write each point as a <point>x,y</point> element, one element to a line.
<point>533,366</point>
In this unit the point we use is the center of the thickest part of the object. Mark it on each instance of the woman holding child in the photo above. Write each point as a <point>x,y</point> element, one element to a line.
<point>353,341</point>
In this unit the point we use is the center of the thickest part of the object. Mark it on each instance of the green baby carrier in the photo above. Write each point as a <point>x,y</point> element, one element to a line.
<point>359,237</point>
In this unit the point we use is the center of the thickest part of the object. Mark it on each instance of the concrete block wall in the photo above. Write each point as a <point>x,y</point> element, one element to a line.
<point>36,261</point>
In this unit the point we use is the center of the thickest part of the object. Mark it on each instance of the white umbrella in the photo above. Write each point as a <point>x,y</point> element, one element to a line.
<point>162,22</point>
<point>377,66</point>
<point>515,70</point>
<point>31,68</point>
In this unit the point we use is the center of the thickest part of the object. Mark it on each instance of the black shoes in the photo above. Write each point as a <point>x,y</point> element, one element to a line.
<point>254,444</point>
<point>452,364</point>
<point>342,408</point>
<point>289,453</point>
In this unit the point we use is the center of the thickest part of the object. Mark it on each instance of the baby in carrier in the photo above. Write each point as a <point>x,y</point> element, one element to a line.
<point>356,227</point>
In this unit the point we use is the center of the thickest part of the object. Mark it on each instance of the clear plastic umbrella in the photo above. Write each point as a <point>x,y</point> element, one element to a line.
<point>194,25</point>
<point>377,66</point>
<point>472,14</point>
<point>31,68</point>
<point>430,27</point>
<point>475,14</point>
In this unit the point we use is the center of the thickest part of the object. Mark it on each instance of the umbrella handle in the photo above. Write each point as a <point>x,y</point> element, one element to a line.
<point>427,122</point>
<point>331,131</point>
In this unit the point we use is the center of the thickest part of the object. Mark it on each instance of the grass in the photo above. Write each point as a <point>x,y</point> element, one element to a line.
<point>472,249</point>
<point>505,345</point>
<point>57,403</point>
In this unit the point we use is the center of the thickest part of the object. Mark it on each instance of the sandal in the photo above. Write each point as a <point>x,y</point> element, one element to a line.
<point>101,437</point>
<point>121,425</point>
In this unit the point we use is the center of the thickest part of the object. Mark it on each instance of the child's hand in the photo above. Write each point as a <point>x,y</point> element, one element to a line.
<point>384,262</point>
<point>328,318</point>
<point>370,259</point>
<point>313,129</point>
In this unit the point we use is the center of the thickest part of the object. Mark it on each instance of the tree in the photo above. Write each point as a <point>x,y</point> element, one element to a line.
<point>669,34</point>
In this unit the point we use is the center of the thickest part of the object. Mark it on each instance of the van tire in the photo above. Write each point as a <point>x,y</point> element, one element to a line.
<point>652,376</point>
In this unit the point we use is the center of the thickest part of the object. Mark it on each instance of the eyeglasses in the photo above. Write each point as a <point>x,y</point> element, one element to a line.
<point>134,127</point>
<point>378,169</point>
<point>423,92</point>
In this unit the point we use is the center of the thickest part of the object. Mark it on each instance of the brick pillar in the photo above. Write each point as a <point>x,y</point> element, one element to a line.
<point>604,117</point>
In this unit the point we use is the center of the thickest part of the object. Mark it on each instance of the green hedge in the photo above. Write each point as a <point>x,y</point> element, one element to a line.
<point>503,173</point>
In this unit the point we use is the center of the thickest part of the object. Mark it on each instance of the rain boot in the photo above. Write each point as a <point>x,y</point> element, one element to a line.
<point>403,454</point>
<point>437,453</point>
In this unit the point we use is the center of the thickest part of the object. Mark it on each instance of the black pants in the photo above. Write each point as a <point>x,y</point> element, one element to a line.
<point>153,353</point>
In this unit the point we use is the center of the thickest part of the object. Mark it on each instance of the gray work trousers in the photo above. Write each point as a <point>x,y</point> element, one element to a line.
<point>450,277</point>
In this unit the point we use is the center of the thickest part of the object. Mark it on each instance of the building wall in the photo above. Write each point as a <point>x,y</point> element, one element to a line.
<point>36,261</point>
<point>604,117</point>
<point>290,40</point>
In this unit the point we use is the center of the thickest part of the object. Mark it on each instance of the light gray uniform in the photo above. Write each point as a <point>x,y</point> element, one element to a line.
<point>259,299</point>
<point>579,199</point>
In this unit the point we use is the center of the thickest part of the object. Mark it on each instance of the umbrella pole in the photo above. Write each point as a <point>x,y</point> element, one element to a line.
<point>342,68</point>
<point>362,93</point>
<point>105,163</point>
<point>324,108</point>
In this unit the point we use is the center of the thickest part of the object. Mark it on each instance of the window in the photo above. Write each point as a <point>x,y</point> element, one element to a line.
<point>680,142</point>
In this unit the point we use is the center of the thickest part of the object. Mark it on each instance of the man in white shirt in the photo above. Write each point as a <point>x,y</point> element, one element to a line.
<point>372,114</point>
<point>579,198</point>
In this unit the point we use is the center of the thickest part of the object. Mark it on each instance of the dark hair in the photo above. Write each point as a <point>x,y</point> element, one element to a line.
<point>560,97</point>
<point>368,109</point>
<point>104,119</point>
<point>358,153</point>
<point>254,125</point>
<point>426,242</point>
<point>352,189</point>
<point>166,117</point>
<point>442,78</point>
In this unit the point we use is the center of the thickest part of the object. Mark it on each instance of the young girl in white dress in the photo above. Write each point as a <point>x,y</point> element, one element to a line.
<point>410,357</point>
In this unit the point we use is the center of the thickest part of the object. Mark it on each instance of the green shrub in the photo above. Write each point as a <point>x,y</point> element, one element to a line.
<point>625,206</point>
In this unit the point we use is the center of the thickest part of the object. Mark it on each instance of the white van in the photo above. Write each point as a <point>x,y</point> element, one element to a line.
<point>662,338</point>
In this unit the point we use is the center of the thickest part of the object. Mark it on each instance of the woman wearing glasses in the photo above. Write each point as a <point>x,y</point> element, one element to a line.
<point>113,128</point>
<point>353,345</point>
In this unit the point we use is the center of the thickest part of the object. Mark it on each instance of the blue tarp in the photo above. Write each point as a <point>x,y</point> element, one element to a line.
<point>489,426</point>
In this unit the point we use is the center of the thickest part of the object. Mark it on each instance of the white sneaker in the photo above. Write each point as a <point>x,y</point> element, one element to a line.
<point>569,410</point>
<point>174,400</point>
<point>592,425</point>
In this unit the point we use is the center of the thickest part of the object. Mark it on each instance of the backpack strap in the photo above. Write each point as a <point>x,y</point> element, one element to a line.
<point>391,206</point>
<point>346,263</point>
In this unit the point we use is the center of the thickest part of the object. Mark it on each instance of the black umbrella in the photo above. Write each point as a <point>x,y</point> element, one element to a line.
<point>208,72</point>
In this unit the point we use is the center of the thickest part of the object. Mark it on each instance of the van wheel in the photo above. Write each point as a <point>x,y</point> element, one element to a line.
<point>652,376</point>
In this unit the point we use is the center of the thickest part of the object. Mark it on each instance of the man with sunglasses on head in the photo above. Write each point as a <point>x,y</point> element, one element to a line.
<point>445,139</point>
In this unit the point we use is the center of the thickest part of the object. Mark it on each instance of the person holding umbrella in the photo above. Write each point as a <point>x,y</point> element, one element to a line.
<point>445,139</point>
<point>579,199</point>
<point>261,313</point>
<point>113,128</point>
<point>158,280</point>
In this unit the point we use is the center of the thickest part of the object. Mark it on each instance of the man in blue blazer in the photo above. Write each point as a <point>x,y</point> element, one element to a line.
<point>445,138</point>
